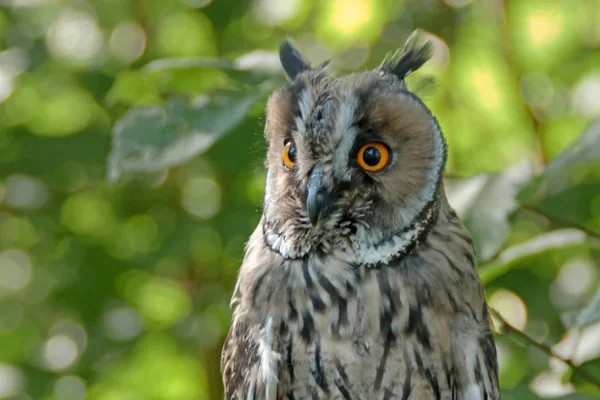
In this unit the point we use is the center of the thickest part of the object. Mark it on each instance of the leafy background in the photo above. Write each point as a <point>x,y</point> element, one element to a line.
<point>131,175</point>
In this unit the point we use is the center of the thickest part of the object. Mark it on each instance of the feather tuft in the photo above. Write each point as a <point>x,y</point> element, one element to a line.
<point>292,60</point>
<point>412,57</point>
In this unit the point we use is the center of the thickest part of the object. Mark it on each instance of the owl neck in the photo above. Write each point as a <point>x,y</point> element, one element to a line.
<point>367,245</point>
<point>374,252</point>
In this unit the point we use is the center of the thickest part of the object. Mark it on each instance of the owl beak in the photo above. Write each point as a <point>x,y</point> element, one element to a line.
<point>319,200</point>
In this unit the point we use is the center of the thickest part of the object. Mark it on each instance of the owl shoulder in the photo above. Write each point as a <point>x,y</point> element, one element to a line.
<point>249,360</point>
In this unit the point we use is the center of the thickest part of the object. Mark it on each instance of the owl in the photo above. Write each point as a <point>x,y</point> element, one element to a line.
<point>360,281</point>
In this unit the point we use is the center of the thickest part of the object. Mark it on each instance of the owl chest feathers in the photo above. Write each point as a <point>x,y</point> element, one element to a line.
<point>413,326</point>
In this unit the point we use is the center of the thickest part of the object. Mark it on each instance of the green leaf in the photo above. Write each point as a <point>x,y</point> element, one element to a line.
<point>523,392</point>
<point>584,149</point>
<point>569,188</point>
<point>134,88</point>
<point>484,203</point>
<point>546,242</point>
<point>165,64</point>
<point>591,367</point>
<point>246,68</point>
<point>152,139</point>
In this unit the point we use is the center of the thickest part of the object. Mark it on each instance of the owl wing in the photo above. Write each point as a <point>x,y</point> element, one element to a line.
<point>249,360</point>
<point>452,301</point>
<point>249,363</point>
<point>239,364</point>
<point>486,367</point>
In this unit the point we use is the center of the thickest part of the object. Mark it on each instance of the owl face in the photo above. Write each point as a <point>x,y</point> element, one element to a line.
<point>353,162</point>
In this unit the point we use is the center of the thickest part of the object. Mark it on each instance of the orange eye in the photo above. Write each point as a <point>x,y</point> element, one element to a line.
<point>289,153</point>
<point>373,156</point>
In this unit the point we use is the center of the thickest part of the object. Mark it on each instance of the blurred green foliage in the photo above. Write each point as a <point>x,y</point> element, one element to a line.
<point>131,176</point>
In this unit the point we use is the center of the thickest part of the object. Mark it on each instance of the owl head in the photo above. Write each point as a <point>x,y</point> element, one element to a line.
<point>354,162</point>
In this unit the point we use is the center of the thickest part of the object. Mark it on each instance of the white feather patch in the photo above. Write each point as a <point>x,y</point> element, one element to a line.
<point>470,352</point>
<point>268,361</point>
<point>472,392</point>
<point>369,249</point>
<point>344,134</point>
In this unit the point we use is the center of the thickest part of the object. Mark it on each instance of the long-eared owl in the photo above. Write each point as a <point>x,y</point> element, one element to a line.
<point>360,281</point>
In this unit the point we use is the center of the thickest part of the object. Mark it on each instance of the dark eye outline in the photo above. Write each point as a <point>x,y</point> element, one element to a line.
<point>384,152</point>
<point>289,161</point>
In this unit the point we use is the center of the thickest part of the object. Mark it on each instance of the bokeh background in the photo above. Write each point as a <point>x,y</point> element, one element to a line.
<point>131,175</point>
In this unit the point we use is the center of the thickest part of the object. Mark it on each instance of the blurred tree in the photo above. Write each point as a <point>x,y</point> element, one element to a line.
<point>130,177</point>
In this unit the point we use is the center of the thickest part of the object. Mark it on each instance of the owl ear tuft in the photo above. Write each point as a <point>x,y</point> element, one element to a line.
<point>413,56</point>
<point>292,60</point>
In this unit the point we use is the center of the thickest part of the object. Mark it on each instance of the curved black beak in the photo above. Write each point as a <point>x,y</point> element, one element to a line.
<point>319,199</point>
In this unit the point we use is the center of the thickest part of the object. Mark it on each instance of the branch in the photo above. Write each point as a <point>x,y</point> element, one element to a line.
<point>509,329</point>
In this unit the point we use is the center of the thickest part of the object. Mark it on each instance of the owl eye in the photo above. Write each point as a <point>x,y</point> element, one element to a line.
<point>289,153</point>
<point>373,156</point>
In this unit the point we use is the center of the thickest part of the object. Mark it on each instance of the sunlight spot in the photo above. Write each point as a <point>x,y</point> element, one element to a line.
<point>73,330</point>
<point>127,41</point>
<point>6,86</point>
<point>201,197</point>
<point>576,277</point>
<point>60,352</point>
<point>348,16</point>
<point>88,214</point>
<point>15,270</point>
<point>548,384</point>
<point>184,34</point>
<point>543,27</point>
<point>579,344</point>
<point>13,62</point>
<point>75,36</point>
<point>70,387</point>
<point>275,12</point>
<point>486,87</point>
<point>511,307</point>
<point>585,98</point>
<point>25,192</point>
<point>163,302</point>
<point>589,344</point>
<point>12,381</point>
<point>122,323</point>
<point>259,59</point>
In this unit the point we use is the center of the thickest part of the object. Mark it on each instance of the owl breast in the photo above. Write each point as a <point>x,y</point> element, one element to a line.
<point>352,332</point>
